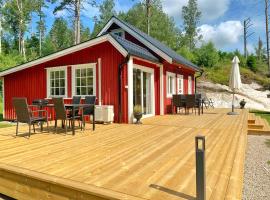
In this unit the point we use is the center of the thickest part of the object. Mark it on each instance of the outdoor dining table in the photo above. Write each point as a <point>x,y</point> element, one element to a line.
<point>72,107</point>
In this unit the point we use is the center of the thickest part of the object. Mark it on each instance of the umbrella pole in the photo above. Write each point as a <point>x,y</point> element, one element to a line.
<point>233,103</point>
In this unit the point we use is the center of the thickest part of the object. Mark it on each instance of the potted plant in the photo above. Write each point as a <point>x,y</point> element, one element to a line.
<point>137,112</point>
<point>242,103</point>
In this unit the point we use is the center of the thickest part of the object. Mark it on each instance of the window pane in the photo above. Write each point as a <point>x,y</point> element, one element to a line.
<point>62,74</point>
<point>89,91</point>
<point>57,91</point>
<point>83,81</point>
<point>83,72</point>
<point>78,91</point>
<point>62,91</point>
<point>90,81</point>
<point>89,72</point>
<point>52,83</point>
<point>52,75</point>
<point>52,91</point>
<point>57,83</point>
<point>83,91</point>
<point>57,74</point>
<point>62,82</point>
<point>78,82</point>
<point>78,74</point>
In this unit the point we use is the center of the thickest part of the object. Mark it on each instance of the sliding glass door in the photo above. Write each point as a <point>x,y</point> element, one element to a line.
<point>143,90</point>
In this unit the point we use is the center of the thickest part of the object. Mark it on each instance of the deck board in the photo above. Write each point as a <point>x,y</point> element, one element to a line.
<point>155,160</point>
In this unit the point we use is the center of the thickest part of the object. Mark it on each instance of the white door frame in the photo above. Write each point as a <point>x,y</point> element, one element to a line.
<point>152,72</point>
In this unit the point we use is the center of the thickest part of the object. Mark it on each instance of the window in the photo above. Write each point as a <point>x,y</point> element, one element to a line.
<point>84,80</point>
<point>189,85</point>
<point>170,84</point>
<point>56,82</point>
<point>119,32</point>
<point>180,84</point>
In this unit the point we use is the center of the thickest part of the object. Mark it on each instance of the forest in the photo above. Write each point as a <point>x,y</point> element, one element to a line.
<point>25,35</point>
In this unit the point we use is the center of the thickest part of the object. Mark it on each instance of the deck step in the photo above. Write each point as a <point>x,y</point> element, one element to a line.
<point>251,121</point>
<point>256,126</point>
<point>258,132</point>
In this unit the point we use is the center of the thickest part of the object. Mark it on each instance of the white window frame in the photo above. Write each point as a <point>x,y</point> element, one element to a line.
<point>189,85</point>
<point>73,74</point>
<point>180,79</point>
<point>172,75</point>
<point>119,30</point>
<point>51,69</point>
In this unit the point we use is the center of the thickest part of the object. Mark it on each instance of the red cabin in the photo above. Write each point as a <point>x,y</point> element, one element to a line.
<point>122,67</point>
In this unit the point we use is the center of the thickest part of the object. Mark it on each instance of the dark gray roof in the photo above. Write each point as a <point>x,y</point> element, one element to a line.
<point>134,49</point>
<point>162,47</point>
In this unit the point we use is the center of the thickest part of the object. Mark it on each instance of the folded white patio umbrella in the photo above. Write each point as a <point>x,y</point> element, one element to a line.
<point>235,80</point>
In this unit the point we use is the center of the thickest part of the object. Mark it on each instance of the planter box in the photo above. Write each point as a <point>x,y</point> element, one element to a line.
<point>104,113</point>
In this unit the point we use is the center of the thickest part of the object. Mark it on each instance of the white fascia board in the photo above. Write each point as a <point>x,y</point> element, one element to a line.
<point>70,50</point>
<point>138,37</point>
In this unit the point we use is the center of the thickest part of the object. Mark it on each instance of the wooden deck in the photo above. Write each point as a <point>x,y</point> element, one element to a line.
<point>155,160</point>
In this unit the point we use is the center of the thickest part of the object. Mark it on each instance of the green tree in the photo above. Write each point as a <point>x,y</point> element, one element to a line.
<point>207,55</point>
<point>251,63</point>
<point>74,7</point>
<point>260,50</point>
<point>17,14</point>
<point>106,10</point>
<point>85,34</point>
<point>61,34</point>
<point>162,26</point>
<point>191,16</point>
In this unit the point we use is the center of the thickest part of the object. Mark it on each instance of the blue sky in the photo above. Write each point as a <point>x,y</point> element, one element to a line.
<point>222,20</point>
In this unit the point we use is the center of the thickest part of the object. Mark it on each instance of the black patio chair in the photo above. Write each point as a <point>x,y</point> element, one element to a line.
<point>208,102</point>
<point>89,111</point>
<point>190,103</point>
<point>61,113</point>
<point>178,101</point>
<point>25,115</point>
<point>75,100</point>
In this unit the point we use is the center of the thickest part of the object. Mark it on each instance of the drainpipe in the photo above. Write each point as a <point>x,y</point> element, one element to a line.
<point>120,67</point>
<point>201,73</point>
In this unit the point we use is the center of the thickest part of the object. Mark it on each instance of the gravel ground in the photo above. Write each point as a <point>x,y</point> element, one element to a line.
<point>257,170</point>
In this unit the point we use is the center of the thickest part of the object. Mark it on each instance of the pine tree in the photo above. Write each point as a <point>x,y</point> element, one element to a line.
<point>191,16</point>
<point>260,50</point>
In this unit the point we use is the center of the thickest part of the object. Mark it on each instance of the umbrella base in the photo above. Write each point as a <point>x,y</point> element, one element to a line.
<point>232,113</point>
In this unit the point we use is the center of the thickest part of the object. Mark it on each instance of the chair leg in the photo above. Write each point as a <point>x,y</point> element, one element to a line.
<point>55,125</point>
<point>34,128</point>
<point>66,126</point>
<point>94,126</point>
<point>29,130</point>
<point>17,128</point>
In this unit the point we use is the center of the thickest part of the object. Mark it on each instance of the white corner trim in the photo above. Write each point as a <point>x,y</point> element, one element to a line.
<point>48,70</point>
<point>130,89</point>
<point>73,74</point>
<point>189,85</point>
<point>67,51</point>
<point>99,81</point>
<point>173,75</point>
<point>138,37</point>
<point>3,95</point>
<point>161,78</point>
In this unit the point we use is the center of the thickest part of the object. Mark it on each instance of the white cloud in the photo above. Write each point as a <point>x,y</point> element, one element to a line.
<point>223,35</point>
<point>211,9</point>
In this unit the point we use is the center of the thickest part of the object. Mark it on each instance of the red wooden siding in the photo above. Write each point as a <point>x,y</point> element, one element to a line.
<point>177,70</point>
<point>31,82</point>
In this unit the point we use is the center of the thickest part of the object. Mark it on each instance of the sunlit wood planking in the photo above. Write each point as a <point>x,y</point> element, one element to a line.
<point>153,161</point>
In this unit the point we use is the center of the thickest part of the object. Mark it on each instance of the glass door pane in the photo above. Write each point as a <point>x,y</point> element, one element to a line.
<point>147,93</point>
<point>137,87</point>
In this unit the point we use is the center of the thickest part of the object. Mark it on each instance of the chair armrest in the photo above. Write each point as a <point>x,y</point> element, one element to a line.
<point>35,111</point>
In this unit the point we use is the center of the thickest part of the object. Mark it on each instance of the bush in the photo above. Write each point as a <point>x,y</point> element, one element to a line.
<point>206,55</point>
<point>251,63</point>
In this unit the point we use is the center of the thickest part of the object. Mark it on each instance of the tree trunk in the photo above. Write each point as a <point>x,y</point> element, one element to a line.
<point>40,31</point>
<point>77,31</point>
<point>148,5</point>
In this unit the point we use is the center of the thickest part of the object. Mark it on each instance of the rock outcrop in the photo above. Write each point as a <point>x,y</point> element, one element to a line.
<point>222,95</point>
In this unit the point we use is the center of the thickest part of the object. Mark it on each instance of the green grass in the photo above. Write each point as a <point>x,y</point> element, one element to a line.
<point>221,73</point>
<point>262,114</point>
